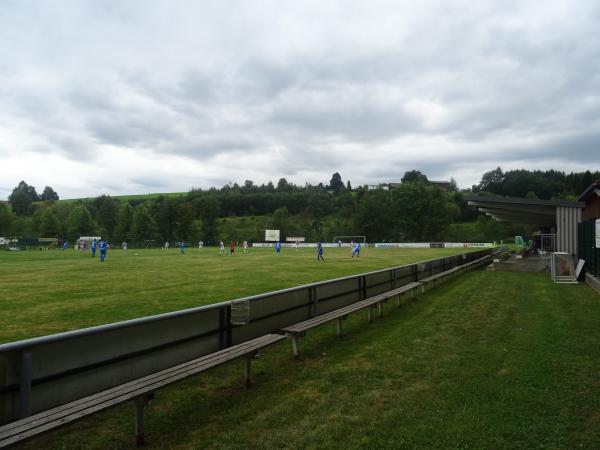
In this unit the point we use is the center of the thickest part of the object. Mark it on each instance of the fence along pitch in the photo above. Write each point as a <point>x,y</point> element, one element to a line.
<point>220,313</point>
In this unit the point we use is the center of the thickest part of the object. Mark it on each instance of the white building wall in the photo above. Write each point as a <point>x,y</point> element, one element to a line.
<point>566,228</point>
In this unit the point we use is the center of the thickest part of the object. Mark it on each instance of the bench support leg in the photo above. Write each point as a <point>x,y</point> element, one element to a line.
<point>380,309</point>
<point>339,327</point>
<point>398,300</point>
<point>139,421</point>
<point>25,386</point>
<point>370,316</point>
<point>295,346</point>
<point>248,371</point>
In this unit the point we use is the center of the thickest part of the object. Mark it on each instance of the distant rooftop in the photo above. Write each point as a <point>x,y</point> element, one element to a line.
<point>391,185</point>
<point>592,190</point>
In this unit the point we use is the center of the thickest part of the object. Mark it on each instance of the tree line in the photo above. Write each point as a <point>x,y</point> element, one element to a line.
<point>415,210</point>
<point>544,185</point>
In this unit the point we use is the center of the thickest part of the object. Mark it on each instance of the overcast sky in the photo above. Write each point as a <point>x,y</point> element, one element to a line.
<point>123,97</point>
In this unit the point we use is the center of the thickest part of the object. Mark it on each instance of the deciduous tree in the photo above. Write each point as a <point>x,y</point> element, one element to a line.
<point>49,194</point>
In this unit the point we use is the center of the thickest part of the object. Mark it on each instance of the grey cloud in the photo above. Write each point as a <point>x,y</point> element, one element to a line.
<point>499,83</point>
<point>148,181</point>
<point>129,131</point>
<point>345,111</point>
<point>210,146</point>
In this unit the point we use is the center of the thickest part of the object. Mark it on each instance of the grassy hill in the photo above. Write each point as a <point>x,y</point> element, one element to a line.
<point>134,197</point>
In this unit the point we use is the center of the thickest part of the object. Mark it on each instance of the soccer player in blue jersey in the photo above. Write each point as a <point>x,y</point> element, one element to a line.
<point>103,247</point>
<point>182,247</point>
<point>278,247</point>
<point>320,251</point>
<point>356,250</point>
<point>94,244</point>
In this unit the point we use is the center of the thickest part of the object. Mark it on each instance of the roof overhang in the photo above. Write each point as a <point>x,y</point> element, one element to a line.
<point>592,191</point>
<point>521,210</point>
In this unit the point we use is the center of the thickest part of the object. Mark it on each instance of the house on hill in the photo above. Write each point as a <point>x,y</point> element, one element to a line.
<point>591,198</point>
<point>443,185</point>
<point>384,186</point>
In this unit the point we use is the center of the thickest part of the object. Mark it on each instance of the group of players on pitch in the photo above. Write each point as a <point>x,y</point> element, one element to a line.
<point>354,245</point>
<point>102,245</point>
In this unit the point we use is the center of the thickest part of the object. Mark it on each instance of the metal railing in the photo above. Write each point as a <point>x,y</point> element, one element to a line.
<point>40,373</point>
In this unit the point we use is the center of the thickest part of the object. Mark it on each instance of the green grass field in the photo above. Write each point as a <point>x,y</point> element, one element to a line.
<point>487,360</point>
<point>47,292</point>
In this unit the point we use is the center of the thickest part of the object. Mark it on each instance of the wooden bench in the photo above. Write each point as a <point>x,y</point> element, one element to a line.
<point>140,391</point>
<point>453,271</point>
<point>299,329</point>
<point>475,263</point>
<point>437,276</point>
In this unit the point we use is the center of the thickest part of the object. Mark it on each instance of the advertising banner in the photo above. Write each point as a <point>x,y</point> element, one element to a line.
<point>435,245</point>
<point>271,235</point>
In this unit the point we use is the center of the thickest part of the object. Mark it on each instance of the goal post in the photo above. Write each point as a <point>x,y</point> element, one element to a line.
<point>362,239</point>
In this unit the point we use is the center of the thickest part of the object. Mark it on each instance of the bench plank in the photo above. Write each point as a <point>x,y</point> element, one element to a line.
<point>298,329</point>
<point>229,353</point>
<point>454,269</point>
<point>71,412</point>
<point>332,315</point>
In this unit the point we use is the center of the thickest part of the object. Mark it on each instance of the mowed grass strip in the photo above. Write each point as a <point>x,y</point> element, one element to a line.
<point>487,360</point>
<point>49,292</point>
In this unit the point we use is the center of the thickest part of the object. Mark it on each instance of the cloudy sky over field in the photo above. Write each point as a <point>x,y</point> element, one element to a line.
<point>123,97</point>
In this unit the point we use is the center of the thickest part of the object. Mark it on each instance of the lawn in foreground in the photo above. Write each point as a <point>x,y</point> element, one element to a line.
<point>488,360</point>
<point>48,292</point>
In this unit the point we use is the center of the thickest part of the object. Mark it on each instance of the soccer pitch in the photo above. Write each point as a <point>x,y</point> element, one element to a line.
<point>487,360</point>
<point>45,292</point>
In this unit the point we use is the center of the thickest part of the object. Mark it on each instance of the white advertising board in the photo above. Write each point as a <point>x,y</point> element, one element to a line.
<point>302,245</point>
<point>468,244</point>
<point>402,245</point>
<point>434,245</point>
<point>271,235</point>
<point>597,233</point>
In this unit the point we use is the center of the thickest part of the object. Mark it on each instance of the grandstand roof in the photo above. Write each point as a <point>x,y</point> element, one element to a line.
<point>521,210</point>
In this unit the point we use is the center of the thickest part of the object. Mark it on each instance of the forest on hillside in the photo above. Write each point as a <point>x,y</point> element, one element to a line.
<point>415,210</point>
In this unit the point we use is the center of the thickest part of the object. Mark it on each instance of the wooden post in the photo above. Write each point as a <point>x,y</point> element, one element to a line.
<point>380,309</point>
<point>370,317</point>
<point>314,301</point>
<point>140,402</point>
<point>248,371</point>
<point>339,327</point>
<point>398,298</point>
<point>25,385</point>
<point>295,345</point>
